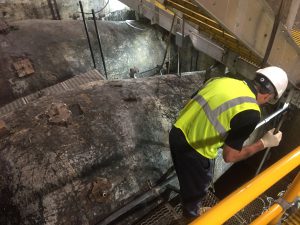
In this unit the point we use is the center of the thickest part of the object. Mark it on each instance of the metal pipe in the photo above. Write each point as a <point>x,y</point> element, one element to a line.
<point>274,213</point>
<point>56,9</point>
<point>197,57</point>
<point>168,43</point>
<point>249,191</point>
<point>99,42</point>
<point>269,148</point>
<point>152,192</point>
<point>290,196</point>
<point>51,9</point>
<point>285,106</point>
<point>178,61</point>
<point>273,34</point>
<point>278,112</point>
<point>191,64</point>
<point>87,33</point>
<point>181,49</point>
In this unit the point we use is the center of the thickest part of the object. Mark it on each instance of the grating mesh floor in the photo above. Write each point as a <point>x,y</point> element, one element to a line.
<point>72,83</point>
<point>168,212</point>
<point>294,219</point>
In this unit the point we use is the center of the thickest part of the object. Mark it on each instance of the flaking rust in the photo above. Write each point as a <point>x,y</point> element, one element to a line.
<point>76,157</point>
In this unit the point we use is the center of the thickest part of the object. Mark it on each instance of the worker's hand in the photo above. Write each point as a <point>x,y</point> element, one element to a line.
<point>270,139</point>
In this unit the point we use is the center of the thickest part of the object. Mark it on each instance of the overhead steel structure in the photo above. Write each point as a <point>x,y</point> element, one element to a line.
<point>234,32</point>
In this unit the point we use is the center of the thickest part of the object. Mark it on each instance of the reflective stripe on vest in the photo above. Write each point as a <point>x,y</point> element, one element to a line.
<point>212,115</point>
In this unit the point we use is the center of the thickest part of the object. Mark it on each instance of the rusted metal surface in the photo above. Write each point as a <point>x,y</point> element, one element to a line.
<point>79,173</point>
<point>23,67</point>
<point>58,113</point>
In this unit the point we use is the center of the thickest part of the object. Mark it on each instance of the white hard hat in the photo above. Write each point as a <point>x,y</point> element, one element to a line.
<point>277,77</point>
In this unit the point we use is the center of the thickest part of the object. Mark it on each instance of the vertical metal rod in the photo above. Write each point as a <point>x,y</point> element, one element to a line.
<point>168,44</point>
<point>169,60</point>
<point>87,34</point>
<point>269,148</point>
<point>99,43</point>
<point>56,9</point>
<point>181,49</point>
<point>51,9</point>
<point>197,57</point>
<point>287,102</point>
<point>192,57</point>
<point>178,61</point>
<point>273,33</point>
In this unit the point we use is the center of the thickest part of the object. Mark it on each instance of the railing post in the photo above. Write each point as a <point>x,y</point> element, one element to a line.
<point>87,34</point>
<point>273,34</point>
<point>99,43</point>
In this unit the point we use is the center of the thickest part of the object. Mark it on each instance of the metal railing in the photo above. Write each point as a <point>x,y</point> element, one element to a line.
<point>89,39</point>
<point>251,190</point>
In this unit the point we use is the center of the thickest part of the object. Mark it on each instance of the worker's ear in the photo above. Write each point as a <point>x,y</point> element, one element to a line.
<point>269,98</point>
<point>264,98</point>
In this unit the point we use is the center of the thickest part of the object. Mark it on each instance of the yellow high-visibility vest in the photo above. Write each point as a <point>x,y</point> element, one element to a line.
<point>205,120</point>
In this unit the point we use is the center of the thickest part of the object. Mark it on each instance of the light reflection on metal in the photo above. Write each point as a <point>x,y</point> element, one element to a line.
<point>278,112</point>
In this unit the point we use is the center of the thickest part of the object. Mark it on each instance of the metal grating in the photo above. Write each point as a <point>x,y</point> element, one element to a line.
<point>260,204</point>
<point>70,84</point>
<point>296,36</point>
<point>164,214</point>
<point>249,213</point>
<point>168,212</point>
<point>294,219</point>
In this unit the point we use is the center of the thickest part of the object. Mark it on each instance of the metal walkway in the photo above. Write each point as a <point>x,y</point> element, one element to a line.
<point>74,82</point>
<point>296,36</point>
<point>169,212</point>
<point>294,219</point>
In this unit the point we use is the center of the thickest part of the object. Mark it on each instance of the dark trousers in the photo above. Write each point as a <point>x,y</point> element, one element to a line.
<point>193,171</point>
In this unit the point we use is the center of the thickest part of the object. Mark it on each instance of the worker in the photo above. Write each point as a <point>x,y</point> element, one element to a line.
<point>220,115</point>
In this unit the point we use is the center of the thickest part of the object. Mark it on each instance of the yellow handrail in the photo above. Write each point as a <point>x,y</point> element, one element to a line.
<point>249,191</point>
<point>274,213</point>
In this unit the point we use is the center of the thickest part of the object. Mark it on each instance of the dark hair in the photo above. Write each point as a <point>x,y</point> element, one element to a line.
<point>264,85</point>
